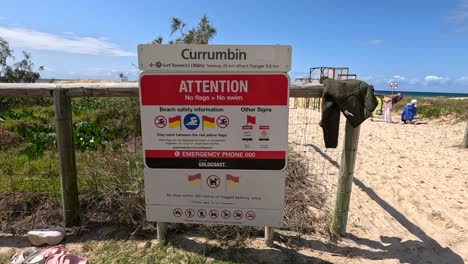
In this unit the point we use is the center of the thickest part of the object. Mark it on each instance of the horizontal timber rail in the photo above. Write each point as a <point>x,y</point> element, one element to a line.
<point>63,92</point>
<point>123,89</point>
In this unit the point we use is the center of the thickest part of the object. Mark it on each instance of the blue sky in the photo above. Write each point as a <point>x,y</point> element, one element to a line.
<point>421,44</point>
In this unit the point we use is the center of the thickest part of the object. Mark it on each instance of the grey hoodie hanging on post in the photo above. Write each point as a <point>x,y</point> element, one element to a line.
<point>354,98</point>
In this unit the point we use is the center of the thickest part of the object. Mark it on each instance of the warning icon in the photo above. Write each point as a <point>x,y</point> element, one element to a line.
<point>160,121</point>
<point>214,214</point>
<point>213,181</point>
<point>189,213</point>
<point>201,213</point>
<point>222,121</point>
<point>177,212</point>
<point>238,215</point>
<point>250,215</point>
<point>226,214</point>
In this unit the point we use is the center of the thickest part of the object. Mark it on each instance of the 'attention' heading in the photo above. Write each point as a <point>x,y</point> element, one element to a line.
<point>216,86</point>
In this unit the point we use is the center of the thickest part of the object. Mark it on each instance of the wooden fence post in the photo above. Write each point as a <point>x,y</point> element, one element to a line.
<point>465,140</point>
<point>345,181</point>
<point>269,235</point>
<point>162,231</point>
<point>66,154</point>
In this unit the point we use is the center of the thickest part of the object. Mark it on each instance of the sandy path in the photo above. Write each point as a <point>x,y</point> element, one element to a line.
<point>413,179</point>
<point>409,200</point>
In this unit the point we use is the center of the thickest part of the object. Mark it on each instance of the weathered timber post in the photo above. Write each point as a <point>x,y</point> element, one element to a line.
<point>345,181</point>
<point>269,235</point>
<point>465,140</point>
<point>162,231</point>
<point>66,154</point>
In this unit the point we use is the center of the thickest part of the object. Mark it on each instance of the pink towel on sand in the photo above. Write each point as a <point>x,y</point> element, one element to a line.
<point>59,255</point>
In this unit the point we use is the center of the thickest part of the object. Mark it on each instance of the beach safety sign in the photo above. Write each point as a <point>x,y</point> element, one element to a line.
<point>215,146</point>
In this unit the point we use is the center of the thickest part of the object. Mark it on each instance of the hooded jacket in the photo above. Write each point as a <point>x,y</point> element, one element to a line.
<point>408,112</point>
<point>354,98</point>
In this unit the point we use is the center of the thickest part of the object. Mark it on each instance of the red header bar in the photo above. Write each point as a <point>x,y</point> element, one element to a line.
<point>214,154</point>
<point>214,89</point>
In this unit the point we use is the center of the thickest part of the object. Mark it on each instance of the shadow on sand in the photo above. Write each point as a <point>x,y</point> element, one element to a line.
<point>427,250</point>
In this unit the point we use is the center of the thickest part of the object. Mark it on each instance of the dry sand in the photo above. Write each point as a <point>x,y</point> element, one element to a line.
<point>409,199</point>
<point>410,194</point>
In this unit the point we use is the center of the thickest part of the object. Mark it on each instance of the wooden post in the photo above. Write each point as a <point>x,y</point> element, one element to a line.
<point>269,236</point>
<point>162,232</point>
<point>66,154</point>
<point>345,181</point>
<point>465,140</point>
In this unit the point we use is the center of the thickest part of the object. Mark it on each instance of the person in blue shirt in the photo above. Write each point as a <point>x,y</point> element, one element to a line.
<point>408,113</point>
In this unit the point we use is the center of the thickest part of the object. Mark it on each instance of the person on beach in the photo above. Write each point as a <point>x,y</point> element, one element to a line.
<point>408,113</point>
<point>390,102</point>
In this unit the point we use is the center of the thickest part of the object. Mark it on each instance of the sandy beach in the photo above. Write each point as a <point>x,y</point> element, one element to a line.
<point>409,201</point>
<point>410,193</point>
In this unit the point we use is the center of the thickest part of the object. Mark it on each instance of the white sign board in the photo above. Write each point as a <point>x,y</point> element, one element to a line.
<point>215,147</point>
<point>214,58</point>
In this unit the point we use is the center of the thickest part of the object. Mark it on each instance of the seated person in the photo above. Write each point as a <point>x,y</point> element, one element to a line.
<point>408,113</point>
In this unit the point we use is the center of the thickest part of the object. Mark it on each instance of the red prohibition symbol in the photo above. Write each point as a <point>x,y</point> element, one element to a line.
<point>177,212</point>
<point>214,214</point>
<point>160,121</point>
<point>226,214</point>
<point>213,181</point>
<point>250,215</point>
<point>238,215</point>
<point>201,213</point>
<point>189,213</point>
<point>222,121</point>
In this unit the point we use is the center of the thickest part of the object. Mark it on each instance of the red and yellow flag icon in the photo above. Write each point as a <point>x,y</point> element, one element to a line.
<point>194,180</point>
<point>208,122</point>
<point>232,181</point>
<point>174,121</point>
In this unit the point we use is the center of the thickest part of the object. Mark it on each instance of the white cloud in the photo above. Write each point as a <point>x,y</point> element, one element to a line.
<point>460,14</point>
<point>430,78</point>
<point>461,30</point>
<point>413,81</point>
<point>31,39</point>
<point>462,80</point>
<point>416,81</point>
<point>395,78</point>
<point>399,78</point>
<point>49,69</point>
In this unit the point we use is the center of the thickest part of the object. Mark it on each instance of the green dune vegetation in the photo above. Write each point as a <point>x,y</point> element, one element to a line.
<point>437,107</point>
